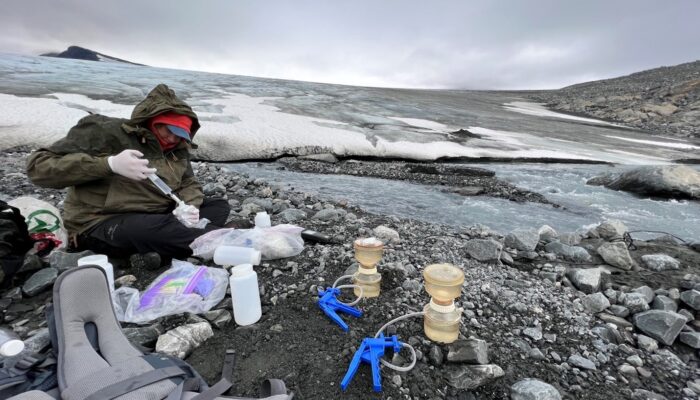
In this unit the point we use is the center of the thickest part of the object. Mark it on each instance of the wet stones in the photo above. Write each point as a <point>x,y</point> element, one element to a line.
<point>663,326</point>
<point>571,253</point>
<point>660,262</point>
<point>616,254</point>
<point>612,229</point>
<point>485,250</point>
<point>523,239</point>
<point>40,281</point>
<point>533,389</point>
<point>547,234</point>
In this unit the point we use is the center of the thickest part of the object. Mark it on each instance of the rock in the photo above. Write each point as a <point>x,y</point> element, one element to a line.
<point>470,351</point>
<point>618,321</point>
<point>570,238</point>
<point>213,188</point>
<point>143,335</point>
<point>596,302</point>
<point>691,298</point>
<point>663,326</point>
<point>218,318</point>
<point>468,377</point>
<point>31,263</point>
<point>277,328</point>
<point>641,394</point>
<point>412,285</point>
<point>328,215</point>
<point>581,362</point>
<point>386,234</point>
<point>534,333</point>
<point>485,250</point>
<point>612,229</point>
<point>40,281</point>
<point>616,254</point>
<point>647,292</point>
<point>627,370</point>
<point>572,253</point>
<point>435,356</point>
<point>692,339</point>
<point>292,215</point>
<point>547,234</point>
<point>523,239</point>
<point>38,342</point>
<point>180,341</point>
<point>646,343</point>
<point>676,181</point>
<point>396,380</point>
<point>664,303</point>
<point>635,302</point>
<point>63,261</point>
<point>125,281</point>
<point>586,280</point>
<point>660,262</point>
<point>533,389</point>
<point>619,311</point>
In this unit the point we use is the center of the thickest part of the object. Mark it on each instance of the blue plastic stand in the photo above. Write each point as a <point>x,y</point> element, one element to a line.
<point>370,352</point>
<point>331,306</point>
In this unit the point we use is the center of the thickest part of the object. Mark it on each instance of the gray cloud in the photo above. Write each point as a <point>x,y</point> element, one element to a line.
<point>440,44</point>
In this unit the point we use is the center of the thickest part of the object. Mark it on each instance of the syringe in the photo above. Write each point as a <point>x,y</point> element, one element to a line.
<point>164,188</point>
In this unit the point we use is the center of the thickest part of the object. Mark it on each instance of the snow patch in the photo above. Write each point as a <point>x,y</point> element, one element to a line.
<point>422,123</point>
<point>684,146</point>
<point>539,110</point>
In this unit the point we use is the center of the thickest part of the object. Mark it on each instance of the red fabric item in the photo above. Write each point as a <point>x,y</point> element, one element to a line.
<point>170,118</point>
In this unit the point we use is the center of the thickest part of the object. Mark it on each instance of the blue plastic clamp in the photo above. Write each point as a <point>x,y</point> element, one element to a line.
<point>370,352</point>
<point>331,306</point>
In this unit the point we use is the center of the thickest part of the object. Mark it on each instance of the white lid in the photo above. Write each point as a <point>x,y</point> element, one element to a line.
<point>12,348</point>
<point>369,242</point>
<point>262,220</point>
<point>242,270</point>
<point>256,257</point>
<point>97,259</point>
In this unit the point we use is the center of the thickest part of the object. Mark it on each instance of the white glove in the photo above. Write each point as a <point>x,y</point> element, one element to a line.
<point>129,163</point>
<point>187,214</point>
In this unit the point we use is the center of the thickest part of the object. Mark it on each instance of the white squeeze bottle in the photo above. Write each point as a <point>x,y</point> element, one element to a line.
<point>101,261</point>
<point>245,295</point>
<point>10,345</point>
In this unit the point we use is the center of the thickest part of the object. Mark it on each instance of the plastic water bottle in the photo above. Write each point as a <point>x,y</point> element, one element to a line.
<point>245,295</point>
<point>10,345</point>
<point>262,220</point>
<point>101,261</point>
<point>234,255</point>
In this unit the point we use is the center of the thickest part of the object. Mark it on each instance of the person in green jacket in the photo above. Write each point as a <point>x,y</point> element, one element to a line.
<point>111,207</point>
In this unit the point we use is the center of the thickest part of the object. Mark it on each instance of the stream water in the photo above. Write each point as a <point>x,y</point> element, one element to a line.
<point>564,184</point>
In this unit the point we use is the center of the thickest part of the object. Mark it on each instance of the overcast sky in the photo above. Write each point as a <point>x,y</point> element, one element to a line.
<point>487,44</point>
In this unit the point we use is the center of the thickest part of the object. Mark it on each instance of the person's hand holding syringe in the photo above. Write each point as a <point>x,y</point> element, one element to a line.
<point>187,214</point>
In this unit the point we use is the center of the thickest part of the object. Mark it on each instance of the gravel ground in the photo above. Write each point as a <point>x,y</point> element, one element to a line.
<point>537,321</point>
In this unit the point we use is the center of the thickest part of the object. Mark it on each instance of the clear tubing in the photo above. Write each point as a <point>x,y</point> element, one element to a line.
<point>357,300</point>
<point>403,344</point>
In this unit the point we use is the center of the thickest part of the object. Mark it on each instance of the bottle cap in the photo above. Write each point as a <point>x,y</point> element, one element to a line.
<point>11,348</point>
<point>97,259</point>
<point>242,270</point>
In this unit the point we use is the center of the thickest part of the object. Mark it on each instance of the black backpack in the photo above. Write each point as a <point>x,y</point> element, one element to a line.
<point>14,241</point>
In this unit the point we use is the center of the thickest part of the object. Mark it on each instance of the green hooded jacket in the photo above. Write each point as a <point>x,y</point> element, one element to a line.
<point>95,193</point>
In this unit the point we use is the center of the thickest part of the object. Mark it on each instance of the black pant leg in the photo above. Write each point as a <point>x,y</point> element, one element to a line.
<point>215,210</point>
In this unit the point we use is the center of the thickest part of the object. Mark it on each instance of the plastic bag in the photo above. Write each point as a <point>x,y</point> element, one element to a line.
<point>43,220</point>
<point>279,241</point>
<point>182,288</point>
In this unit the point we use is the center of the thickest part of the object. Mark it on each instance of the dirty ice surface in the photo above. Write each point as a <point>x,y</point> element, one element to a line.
<point>255,118</point>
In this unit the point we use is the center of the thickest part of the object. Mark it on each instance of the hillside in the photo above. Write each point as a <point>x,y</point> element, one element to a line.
<point>81,53</point>
<point>662,101</point>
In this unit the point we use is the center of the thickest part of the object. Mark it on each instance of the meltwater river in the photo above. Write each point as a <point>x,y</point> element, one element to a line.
<point>564,184</point>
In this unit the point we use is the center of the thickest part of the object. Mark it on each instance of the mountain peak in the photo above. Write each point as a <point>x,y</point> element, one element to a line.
<point>81,53</point>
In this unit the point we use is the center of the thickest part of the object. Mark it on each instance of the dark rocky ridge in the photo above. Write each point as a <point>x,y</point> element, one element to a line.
<point>81,53</point>
<point>663,100</point>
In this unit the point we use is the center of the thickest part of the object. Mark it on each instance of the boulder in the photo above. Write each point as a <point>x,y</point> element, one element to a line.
<point>386,234</point>
<point>586,280</point>
<point>596,302</point>
<point>663,326</point>
<point>63,261</point>
<point>523,239</point>
<point>676,181</point>
<point>635,302</point>
<point>572,253</point>
<point>612,229</point>
<point>469,377</point>
<point>581,362</point>
<point>40,281</point>
<point>292,215</point>
<point>533,389</point>
<point>616,254</point>
<point>570,238</point>
<point>664,303</point>
<point>660,262</point>
<point>143,335</point>
<point>647,292</point>
<point>485,250</point>
<point>691,298</point>
<point>329,215</point>
<point>548,234</point>
<point>692,339</point>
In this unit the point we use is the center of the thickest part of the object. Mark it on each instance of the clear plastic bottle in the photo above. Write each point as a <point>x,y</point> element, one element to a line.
<point>368,252</point>
<point>262,220</point>
<point>441,323</point>
<point>442,319</point>
<point>235,255</point>
<point>245,295</point>
<point>369,280</point>
<point>10,345</point>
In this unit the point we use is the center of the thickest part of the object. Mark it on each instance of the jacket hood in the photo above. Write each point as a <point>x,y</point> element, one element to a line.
<point>160,100</point>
